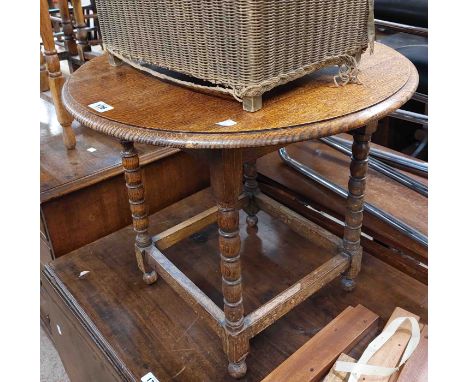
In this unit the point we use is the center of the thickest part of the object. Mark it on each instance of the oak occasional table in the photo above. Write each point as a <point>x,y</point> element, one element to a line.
<point>218,131</point>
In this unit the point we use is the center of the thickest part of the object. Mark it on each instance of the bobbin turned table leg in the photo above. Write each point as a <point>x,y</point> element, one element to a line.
<point>251,189</point>
<point>226,175</point>
<point>355,203</point>
<point>136,196</point>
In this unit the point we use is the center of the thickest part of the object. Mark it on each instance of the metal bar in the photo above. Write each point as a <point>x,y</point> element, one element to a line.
<point>410,116</point>
<point>420,97</point>
<point>399,160</point>
<point>373,210</point>
<point>401,27</point>
<point>382,168</point>
<point>420,147</point>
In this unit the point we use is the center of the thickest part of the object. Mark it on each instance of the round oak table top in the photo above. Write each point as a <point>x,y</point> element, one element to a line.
<point>148,110</point>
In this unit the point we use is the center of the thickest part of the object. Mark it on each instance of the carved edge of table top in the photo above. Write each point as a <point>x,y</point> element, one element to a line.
<point>87,324</point>
<point>231,140</point>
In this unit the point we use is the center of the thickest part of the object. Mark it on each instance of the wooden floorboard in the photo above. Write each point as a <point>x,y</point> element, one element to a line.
<point>151,329</point>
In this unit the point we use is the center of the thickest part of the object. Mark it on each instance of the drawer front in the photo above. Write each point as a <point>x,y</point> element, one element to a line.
<point>82,358</point>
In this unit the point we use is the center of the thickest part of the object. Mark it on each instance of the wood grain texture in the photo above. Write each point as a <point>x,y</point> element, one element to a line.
<point>142,328</point>
<point>44,79</point>
<point>338,376</point>
<point>183,230</point>
<point>165,114</point>
<point>83,193</point>
<point>96,158</point>
<point>300,224</point>
<point>416,368</point>
<point>390,353</point>
<point>313,360</point>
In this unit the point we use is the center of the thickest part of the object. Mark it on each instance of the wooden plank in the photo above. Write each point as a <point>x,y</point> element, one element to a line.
<point>277,307</point>
<point>186,289</point>
<point>190,226</point>
<point>389,354</point>
<point>415,369</point>
<point>312,361</point>
<point>339,376</point>
<point>298,223</point>
<point>183,230</point>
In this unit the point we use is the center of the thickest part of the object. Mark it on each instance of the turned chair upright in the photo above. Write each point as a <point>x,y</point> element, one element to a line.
<point>55,75</point>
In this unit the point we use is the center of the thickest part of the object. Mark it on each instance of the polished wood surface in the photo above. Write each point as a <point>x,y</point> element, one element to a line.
<point>416,368</point>
<point>315,358</point>
<point>148,110</point>
<point>390,353</point>
<point>143,110</point>
<point>138,328</point>
<point>83,194</point>
<point>44,78</point>
<point>96,157</point>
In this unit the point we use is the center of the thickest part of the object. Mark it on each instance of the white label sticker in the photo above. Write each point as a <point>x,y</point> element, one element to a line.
<point>149,378</point>
<point>100,106</point>
<point>227,122</point>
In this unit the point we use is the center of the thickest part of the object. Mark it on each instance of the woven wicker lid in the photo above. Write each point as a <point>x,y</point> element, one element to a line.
<point>148,110</point>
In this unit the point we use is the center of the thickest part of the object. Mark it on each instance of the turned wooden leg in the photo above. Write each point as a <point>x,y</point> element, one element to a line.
<point>67,28</point>
<point>250,189</point>
<point>226,175</point>
<point>56,79</point>
<point>136,197</point>
<point>44,79</point>
<point>355,203</point>
<point>81,34</point>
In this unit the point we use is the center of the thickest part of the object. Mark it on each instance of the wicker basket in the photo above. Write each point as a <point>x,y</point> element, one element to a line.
<point>241,47</point>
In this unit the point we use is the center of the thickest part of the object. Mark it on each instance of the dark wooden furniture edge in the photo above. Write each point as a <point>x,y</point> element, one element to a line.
<point>61,290</point>
<point>103,174</point>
